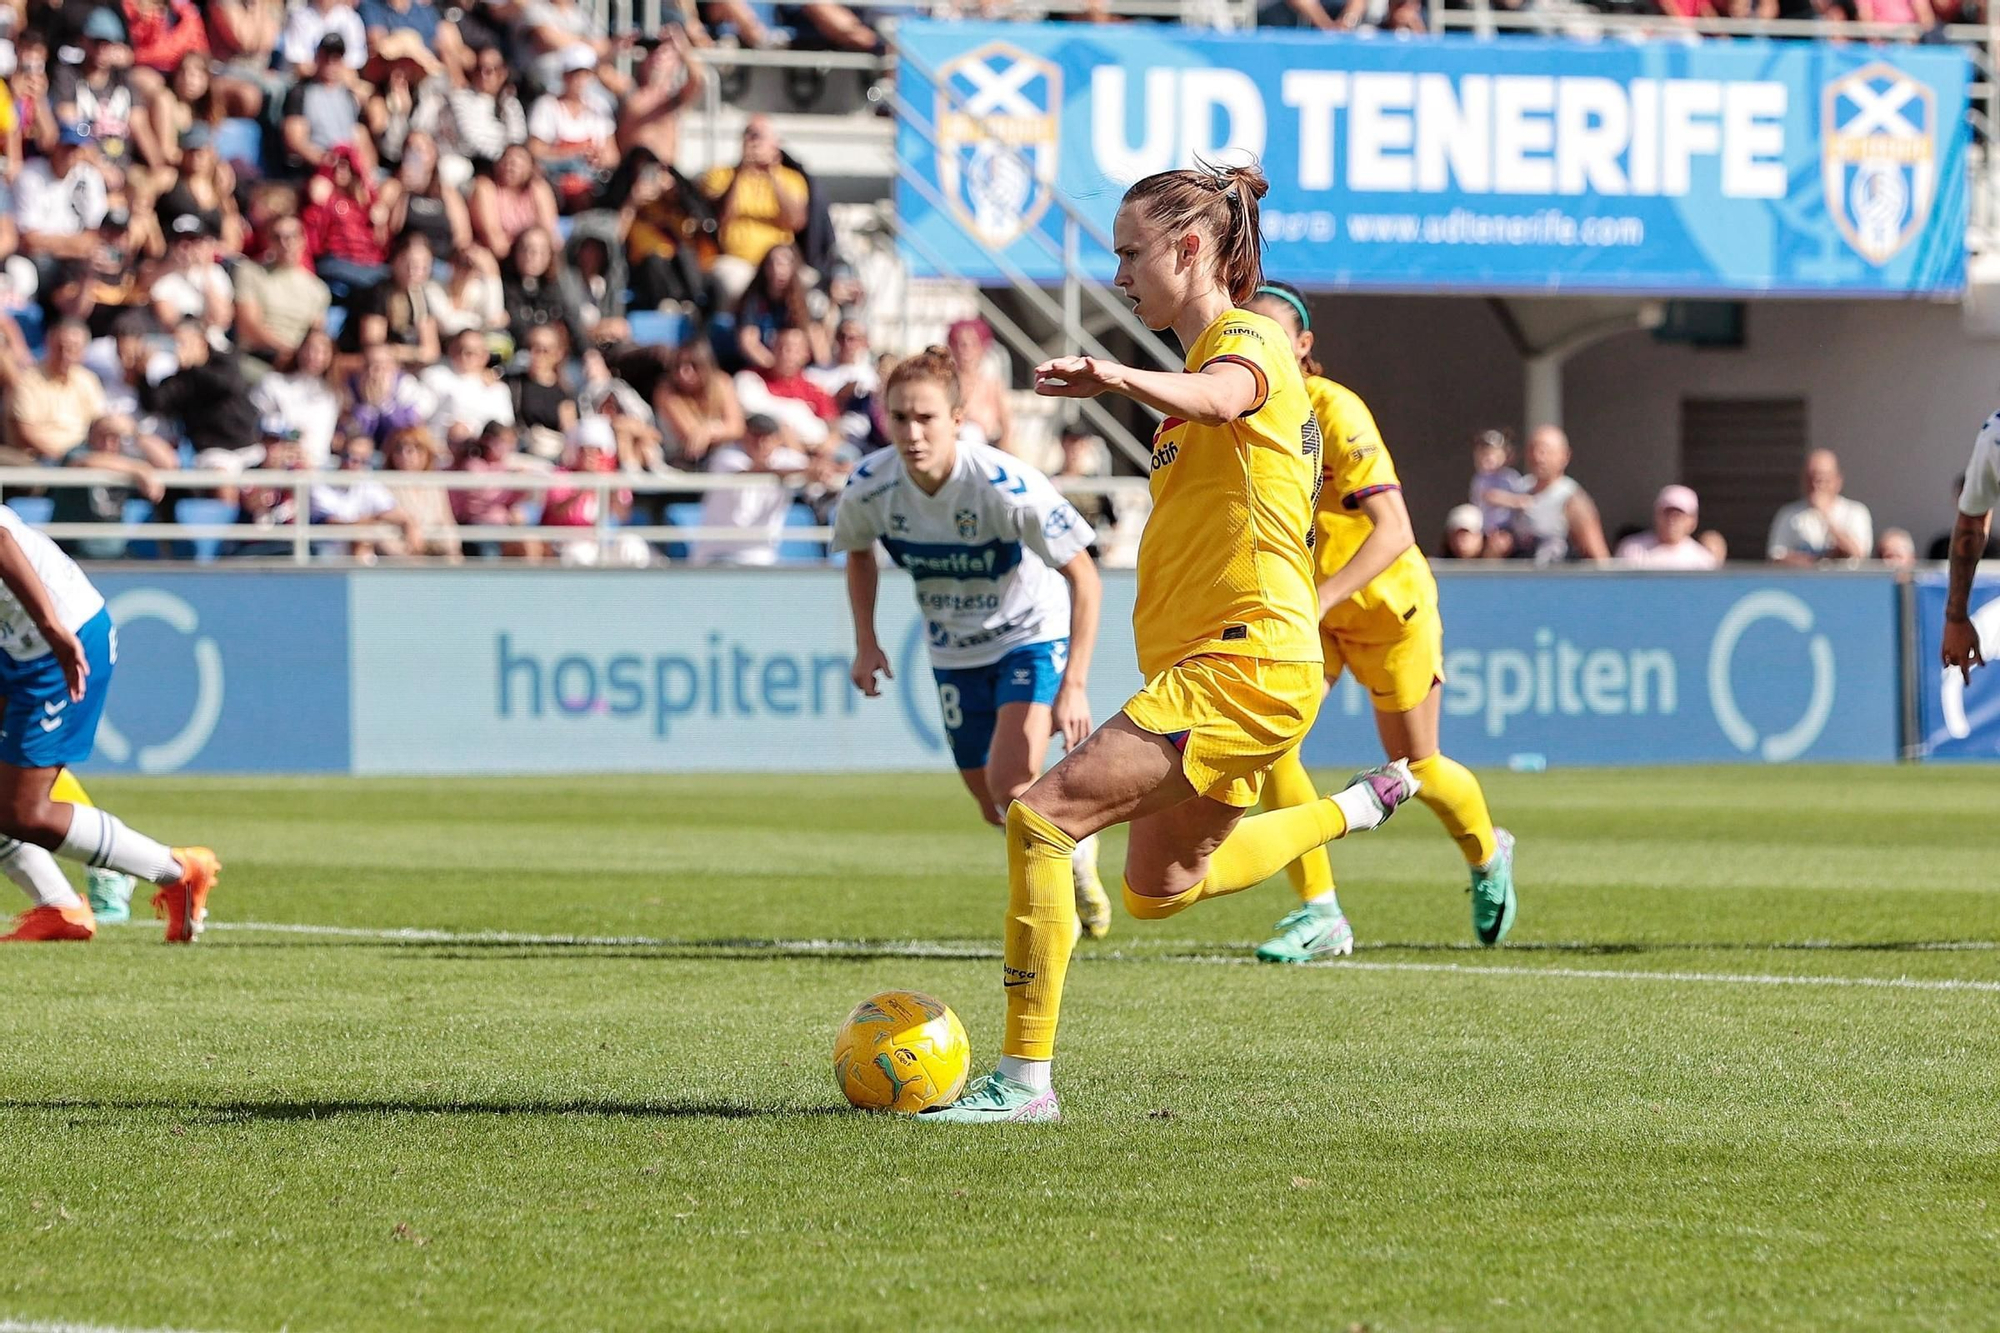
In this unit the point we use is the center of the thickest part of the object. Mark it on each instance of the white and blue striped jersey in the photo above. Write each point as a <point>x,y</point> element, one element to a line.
<point>75,598</point>
<point>983,551</point>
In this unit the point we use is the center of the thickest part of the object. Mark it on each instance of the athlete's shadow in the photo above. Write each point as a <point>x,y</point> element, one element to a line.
<point>281,1109</point>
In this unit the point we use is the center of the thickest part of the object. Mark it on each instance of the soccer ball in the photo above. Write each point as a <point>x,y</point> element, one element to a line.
<point>901,1051</point>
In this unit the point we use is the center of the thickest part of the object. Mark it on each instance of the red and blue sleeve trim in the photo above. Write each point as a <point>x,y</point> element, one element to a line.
<point>1263,383</point>
<point>1353,500</point>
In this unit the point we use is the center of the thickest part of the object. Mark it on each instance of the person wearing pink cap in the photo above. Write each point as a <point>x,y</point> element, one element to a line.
<point>1671,544</point>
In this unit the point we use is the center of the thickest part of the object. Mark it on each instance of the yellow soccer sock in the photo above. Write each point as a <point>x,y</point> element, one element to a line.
<point>1287,786</point>
<point>69,791</point>
<point>1261,846</point>
<point>1453,794</point>
<point>1041,929</point>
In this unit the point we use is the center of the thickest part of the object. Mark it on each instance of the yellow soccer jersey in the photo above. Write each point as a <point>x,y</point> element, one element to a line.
<point>1225,565</point>
<point>1357,466</point>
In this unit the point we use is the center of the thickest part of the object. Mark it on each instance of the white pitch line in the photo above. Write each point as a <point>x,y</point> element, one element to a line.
<point>976,952</point>
<point>59,1326</point>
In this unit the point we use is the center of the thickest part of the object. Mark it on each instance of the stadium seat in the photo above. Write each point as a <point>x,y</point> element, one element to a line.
<point>138,509</point>
<point>657,328</point>
<point>336,320</point>
<point>683,514</point>
<point>36,509</point>
<point>811,550</point>
<point>197,509</point>
<point>241,144</point>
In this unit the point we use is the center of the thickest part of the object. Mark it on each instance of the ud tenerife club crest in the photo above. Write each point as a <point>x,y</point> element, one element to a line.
<point>1879,137</point>
<point>968,523</point>
<point>998,117</point>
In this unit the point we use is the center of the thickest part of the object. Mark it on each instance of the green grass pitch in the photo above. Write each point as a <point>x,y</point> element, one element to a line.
<point>1674,1102</point>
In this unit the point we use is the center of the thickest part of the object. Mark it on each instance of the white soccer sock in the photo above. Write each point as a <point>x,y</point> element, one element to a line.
<point>1329,899</point>
<point>37,873</point>
<point>100,839</point>
<point>1358,804</point>
<point>1034,1073</point>
<point>1086,851</point>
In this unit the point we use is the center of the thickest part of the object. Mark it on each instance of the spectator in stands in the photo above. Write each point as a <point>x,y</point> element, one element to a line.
<point>536,291</point>
<point>851,380</point>
<point>696,406</point>
<point>595,277</point>
<point>301,398</point>
<point>592,449</point>
<point>669,233</point>
<point>401,310</point>
<point>510,201</point>
<point>112,273</point>
<point>1716,546</point>
<point>208,395</point>
<point>1671,544</point>
<point>1464,533</point>
<point>1492,470</point>
<point>633,425</point>
<point>204,187</point>
<point>394,26</point>
<point>778,297</point>
<point>1940,547</point>
<point>384,398</point>
<point>475,299</point>
<point>279,303</point>
<point>340,231</point>
<point>316,27</point>
<point>164,33</point>
<point>97,98</point>
<point>271,506</point>
<point>59,202</point>
<point>190,284</point>
<point>1917,13</point>
<point>760,509</point>
<point>29,84</point>
<point>193,97</point>
<point>468,392</point>
<point>1896,548</point>
<point>1825,524</point>
<point>113,445</point>
<point>821,25</point>
<point>244,35</point>
<point>487,118</point>
<point>670,79</point>
<point>787,393</point>
<point>554,33</point>
<point>125,359</point>
<point>989,417</point>
<point>50,406</point>
<point>415,200</point>
<point>573,139</point>
<point>427,507</point>
<point>760,203</point>
<point>544,408</point>
<point>353,503</point>
<point>1085,457</point>
<point>1556,519</point>
<point>494,452</point>
<point>322,115</point>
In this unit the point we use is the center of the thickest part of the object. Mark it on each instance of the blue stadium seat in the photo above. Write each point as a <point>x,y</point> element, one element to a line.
<point>683,514</point>
<point>241,143</point>
<point>336,320</point>
<point>564,226</point>
<point>657,328</point>
<point>197,509</point>
<point>800,515</point>
<point>36,509</point>
<point>138,509</point>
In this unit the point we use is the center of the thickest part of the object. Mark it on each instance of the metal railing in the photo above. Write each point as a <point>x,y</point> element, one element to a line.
<point>299,537</point>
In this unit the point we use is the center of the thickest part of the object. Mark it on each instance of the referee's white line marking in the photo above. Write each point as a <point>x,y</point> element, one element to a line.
<point>977,952</point>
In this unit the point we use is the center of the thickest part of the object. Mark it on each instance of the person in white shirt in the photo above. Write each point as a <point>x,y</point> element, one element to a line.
<point>364,502</point>
<point>311,22</point>
<point>191,285</point>
<point>59,203</point>
<point>1671,544</point>
<point>57,650</point>
<point>1825,525</point>
<point>303,401</point>
<point>468,393</point>
<point>1003,576</point>
<point>759,509</point>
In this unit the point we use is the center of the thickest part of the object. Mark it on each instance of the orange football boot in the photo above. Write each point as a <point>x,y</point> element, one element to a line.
<point>47,924</point>
<point>184,903</point>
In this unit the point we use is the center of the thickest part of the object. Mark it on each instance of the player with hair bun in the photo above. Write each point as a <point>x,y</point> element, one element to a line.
<point>1226,624</point>
<point>1006,586</point>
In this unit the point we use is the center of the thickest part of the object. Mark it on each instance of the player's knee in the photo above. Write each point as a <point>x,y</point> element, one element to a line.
<point>32,818</point>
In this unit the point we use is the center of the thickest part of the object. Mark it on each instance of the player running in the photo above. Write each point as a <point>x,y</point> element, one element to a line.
<point>1378,607</point>
<point>1226,625</point>
<point>1960,645</point>
<point>990,544</point>
<point>57,649</point>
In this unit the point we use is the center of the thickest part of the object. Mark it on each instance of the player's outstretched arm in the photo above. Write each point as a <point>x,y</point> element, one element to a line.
<point>1086,595</point>
<point>1220,392</point>
<point>863,581</point>
<point>29,591</point>
<point>1961,636</point>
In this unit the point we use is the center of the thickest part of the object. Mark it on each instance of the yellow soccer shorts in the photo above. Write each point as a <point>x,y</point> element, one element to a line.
<point>1397,661</point>
<point>1232,718</point>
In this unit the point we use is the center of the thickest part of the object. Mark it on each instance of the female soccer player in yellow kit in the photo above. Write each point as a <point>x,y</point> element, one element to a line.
<point>1226,625</point>
<point>1378,609</point>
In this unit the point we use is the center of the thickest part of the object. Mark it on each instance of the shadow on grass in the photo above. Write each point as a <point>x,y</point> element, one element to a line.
<point>280,1109</point>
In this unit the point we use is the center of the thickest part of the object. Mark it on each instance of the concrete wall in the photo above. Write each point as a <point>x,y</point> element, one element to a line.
<point>1898,389</point>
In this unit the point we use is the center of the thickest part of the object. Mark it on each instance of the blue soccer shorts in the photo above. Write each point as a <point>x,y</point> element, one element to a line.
<point>40,725</point>
<point>971,697</point>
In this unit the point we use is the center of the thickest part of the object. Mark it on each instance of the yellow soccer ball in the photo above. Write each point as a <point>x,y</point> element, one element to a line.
<point>901,1051</point>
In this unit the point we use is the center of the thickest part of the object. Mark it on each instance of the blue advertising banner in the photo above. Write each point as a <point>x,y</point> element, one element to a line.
<point>226,673</point>
<point>1718,168</point>
<point>1654,668</point>
<point>1956,718</point>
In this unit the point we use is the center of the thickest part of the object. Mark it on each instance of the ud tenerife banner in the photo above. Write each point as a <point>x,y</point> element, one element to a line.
<point>1724,168</point>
